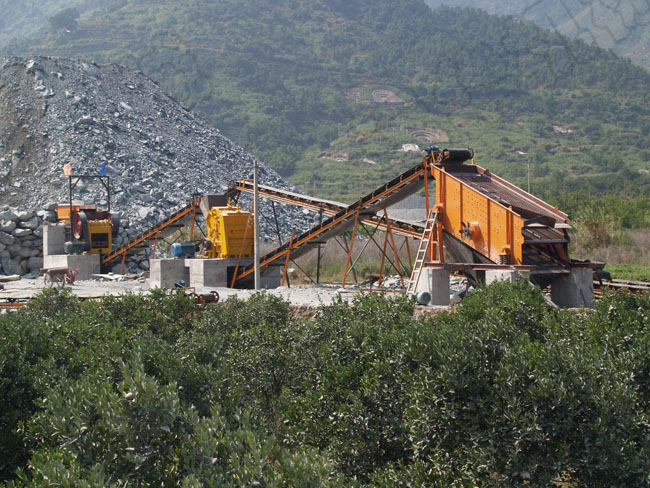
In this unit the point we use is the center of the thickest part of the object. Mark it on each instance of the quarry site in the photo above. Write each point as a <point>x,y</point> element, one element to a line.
<point>110,186</point>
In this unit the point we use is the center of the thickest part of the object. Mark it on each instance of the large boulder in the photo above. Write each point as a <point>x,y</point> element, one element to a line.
<point>7,239</point>
<point>10,267</point>
<point>7,226</point>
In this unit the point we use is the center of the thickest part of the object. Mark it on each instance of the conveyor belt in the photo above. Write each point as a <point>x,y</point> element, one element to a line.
<point>329,207</point>
<point>160,230</point>
<point>365,209</point>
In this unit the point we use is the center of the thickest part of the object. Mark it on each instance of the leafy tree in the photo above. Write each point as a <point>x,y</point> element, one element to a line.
<point>65,19</point>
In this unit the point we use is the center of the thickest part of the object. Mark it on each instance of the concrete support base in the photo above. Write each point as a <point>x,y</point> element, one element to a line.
<point>53,239</point>
<point>166,272</point>
<point>436,282</point>
<point>88,264</point>
<point>213,272</point>
<point>203,273</point>
<point>574,290</point>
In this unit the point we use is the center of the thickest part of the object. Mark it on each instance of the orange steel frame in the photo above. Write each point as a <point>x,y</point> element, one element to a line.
<point>496,229</point>
<point>153,232</point>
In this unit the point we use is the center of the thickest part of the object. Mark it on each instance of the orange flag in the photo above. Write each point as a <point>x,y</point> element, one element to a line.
<point>67,169</point>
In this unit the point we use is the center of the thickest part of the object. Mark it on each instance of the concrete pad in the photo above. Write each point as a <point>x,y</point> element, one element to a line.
<point>88,264</point>
<point>574,290</point>
<point>53,239</point>
<point>436,282</point>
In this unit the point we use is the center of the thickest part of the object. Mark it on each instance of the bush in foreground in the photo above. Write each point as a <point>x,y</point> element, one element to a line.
<point>150,391</point>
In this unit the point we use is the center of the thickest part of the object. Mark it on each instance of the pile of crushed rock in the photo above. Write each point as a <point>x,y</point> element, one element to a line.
<point>157,153</point>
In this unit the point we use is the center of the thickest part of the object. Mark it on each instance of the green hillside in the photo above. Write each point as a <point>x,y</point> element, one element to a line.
<point>24,19</point>
<point>621,26</point>
<point>328,92</point>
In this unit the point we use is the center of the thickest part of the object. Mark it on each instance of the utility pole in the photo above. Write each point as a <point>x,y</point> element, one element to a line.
<point>256,225</point>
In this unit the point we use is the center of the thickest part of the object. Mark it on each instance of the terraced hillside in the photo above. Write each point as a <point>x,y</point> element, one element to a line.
<point>621,26</point>
<point>293,80</point>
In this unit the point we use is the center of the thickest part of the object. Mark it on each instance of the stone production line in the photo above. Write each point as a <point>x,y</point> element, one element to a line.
<point>483,226</point>
<point>488,227</point>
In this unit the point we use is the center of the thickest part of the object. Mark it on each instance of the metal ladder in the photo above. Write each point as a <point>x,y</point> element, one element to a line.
<point>421,256</point>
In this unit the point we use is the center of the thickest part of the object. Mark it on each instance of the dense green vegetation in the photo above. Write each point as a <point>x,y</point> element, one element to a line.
<point>633,272</point>
<point>149,391</point>
<point>293,81</point>
<point>25,19</point>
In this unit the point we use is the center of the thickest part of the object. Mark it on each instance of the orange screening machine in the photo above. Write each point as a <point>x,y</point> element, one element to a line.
<point>479,221</point>
<point>493,219</point>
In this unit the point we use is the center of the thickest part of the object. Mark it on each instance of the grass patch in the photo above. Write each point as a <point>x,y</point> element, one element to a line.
<point>632,272</point>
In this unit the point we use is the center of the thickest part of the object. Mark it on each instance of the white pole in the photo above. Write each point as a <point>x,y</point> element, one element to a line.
<point>256,224</point>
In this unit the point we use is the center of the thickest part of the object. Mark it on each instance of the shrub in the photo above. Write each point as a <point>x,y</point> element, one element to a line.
<point>351,398</point>
<point>137,432</point>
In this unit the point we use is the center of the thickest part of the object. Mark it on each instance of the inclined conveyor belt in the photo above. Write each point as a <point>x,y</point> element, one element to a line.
<point>366,209</point>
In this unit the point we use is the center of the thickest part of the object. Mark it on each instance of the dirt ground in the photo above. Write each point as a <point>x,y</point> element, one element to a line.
<point>305,299</point>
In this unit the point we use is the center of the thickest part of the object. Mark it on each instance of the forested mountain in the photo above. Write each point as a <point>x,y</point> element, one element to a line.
<point>620,25</point>
<point>22,19</point>
<point>328,91</point>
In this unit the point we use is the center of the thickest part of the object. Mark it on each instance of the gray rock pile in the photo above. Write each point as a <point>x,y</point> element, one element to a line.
<point>54,111</point>
<point>21,245</point>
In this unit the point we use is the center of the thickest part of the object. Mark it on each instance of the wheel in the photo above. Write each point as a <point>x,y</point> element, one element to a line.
<point>78,220</point>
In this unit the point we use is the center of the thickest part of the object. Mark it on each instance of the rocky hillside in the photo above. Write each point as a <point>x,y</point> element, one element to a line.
<point>54,111</point>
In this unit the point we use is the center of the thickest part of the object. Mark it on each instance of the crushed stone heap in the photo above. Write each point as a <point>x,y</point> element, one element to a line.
<point>54,111</point>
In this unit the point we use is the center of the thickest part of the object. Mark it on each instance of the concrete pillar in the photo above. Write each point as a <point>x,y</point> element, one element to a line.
<point>166,272</point>
<point>208,272</point>
<point>436,282</point>
<point>53,239</point>
<point>88,264</point>
<point>574,290</point>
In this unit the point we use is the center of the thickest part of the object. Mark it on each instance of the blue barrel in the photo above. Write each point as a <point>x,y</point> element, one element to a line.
<point>423,298</point>
<point>183,249</point>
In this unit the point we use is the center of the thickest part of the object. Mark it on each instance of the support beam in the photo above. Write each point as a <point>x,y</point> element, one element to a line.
<point>354,233</point>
